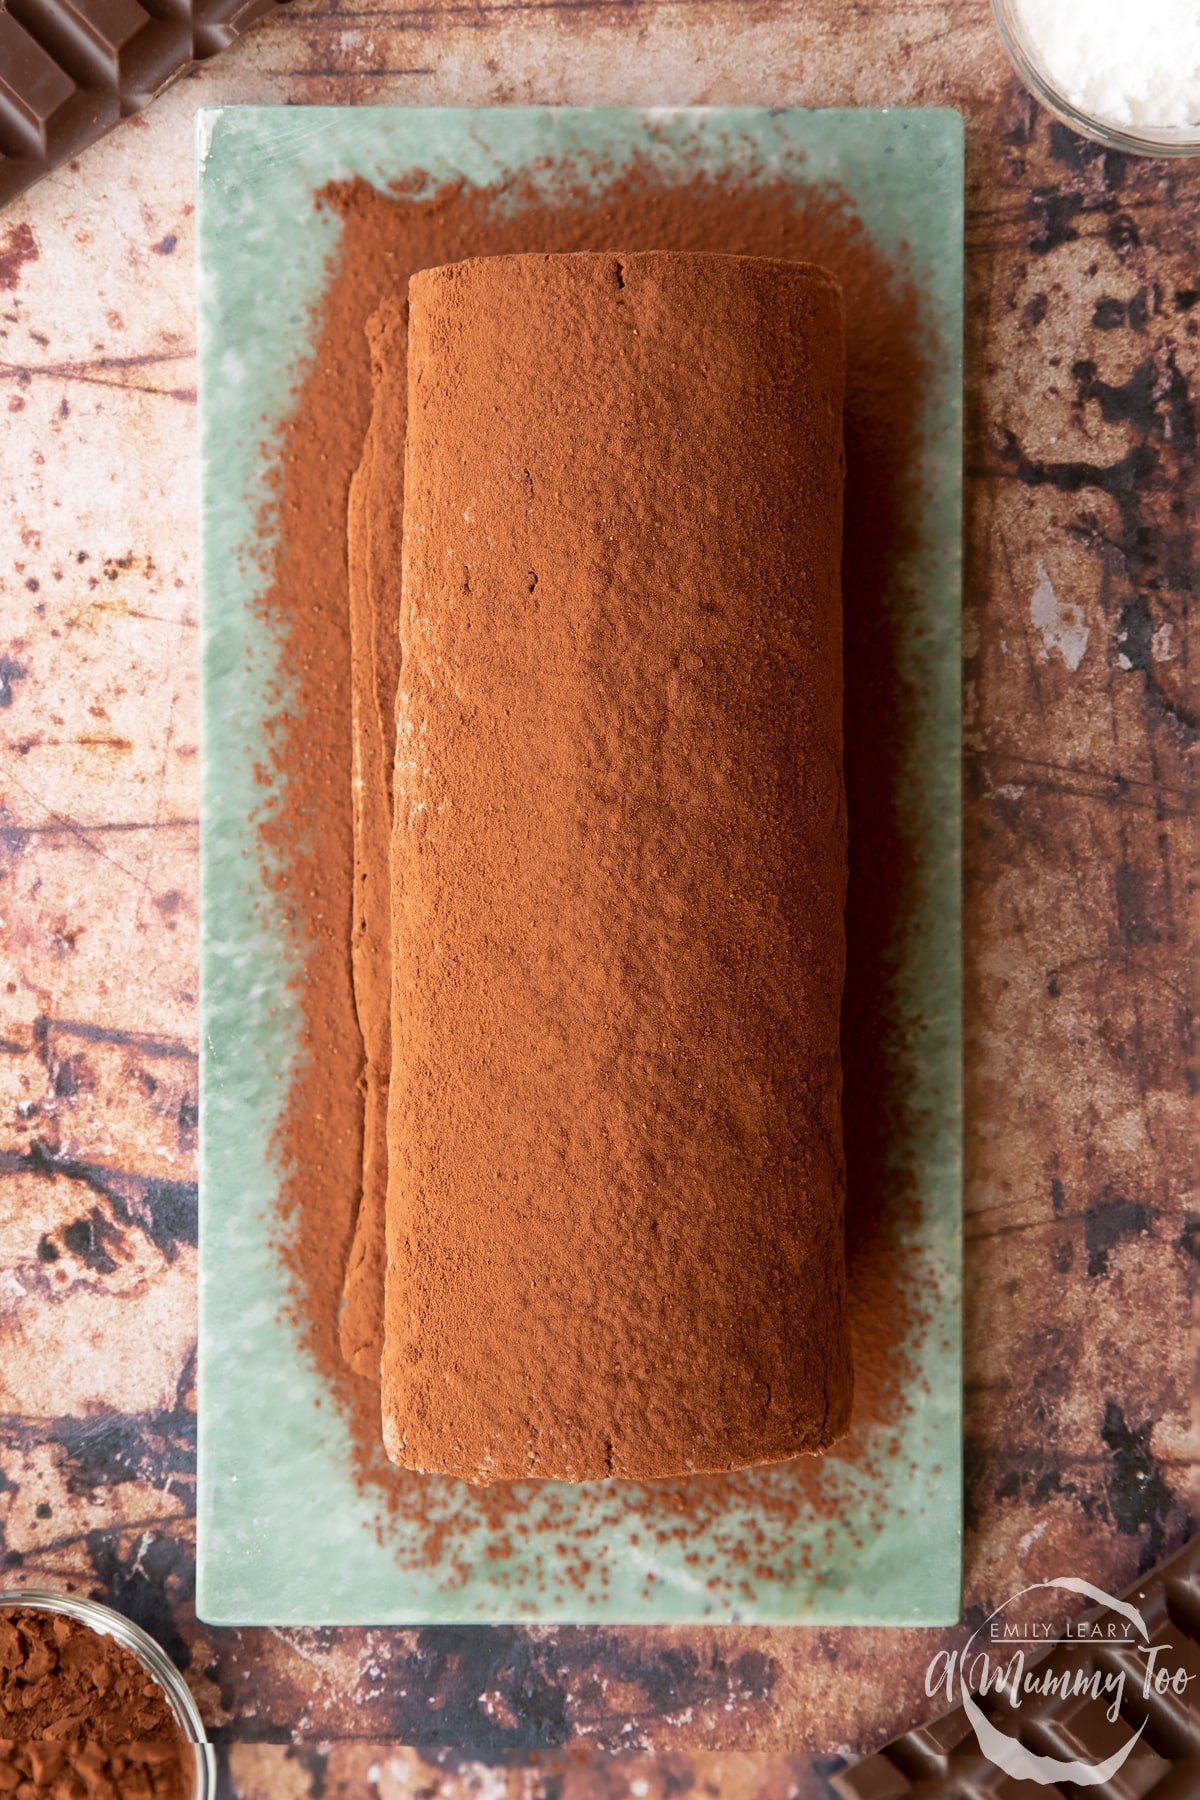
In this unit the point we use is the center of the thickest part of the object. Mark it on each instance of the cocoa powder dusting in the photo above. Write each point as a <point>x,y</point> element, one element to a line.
<point>618,869</point>
<point>386,237</point>
<point>80,1719</point>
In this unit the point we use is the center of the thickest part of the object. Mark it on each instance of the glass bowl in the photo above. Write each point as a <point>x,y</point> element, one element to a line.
<point>152,1658</point>
<point>1141,140</point>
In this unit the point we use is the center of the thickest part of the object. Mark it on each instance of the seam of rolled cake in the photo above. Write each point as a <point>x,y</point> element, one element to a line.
<point>360,1324</point>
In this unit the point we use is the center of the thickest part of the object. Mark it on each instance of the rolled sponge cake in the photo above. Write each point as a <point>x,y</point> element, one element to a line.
<point>615,1174</point>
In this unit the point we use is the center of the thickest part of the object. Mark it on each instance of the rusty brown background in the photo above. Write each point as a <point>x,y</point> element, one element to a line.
<point>1081,715</point>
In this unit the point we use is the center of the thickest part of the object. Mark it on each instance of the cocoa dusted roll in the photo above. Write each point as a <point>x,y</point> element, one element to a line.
<point>615,1175</point>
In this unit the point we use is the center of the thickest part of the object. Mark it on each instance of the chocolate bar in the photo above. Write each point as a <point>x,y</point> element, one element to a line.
<point>1157,1701</point>
<point>72,69</point>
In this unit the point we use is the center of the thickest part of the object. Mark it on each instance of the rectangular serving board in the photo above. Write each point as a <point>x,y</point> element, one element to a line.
<point>285,1537</point>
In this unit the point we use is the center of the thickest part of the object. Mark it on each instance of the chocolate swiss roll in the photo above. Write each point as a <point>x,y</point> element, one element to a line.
<point>618,865</point>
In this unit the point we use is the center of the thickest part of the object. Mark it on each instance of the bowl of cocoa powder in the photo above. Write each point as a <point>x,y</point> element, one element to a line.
<point>91,1708</point>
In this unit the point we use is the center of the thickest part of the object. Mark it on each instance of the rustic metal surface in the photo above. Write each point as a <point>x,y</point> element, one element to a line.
<point>1083,487</point>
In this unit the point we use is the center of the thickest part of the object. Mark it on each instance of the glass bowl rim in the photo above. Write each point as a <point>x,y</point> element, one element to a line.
<point>1170,140</point>
<point>108,1623</point>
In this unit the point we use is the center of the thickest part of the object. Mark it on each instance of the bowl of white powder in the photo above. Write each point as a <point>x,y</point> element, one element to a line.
<point>1124,71</point>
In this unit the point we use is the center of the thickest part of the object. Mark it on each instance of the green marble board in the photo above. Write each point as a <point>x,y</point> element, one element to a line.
<point>284,1536</point>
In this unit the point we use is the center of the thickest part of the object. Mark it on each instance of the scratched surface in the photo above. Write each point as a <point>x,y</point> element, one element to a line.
<point>1082,489</point>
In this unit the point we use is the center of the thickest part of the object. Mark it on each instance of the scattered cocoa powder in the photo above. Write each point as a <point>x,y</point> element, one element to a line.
<point>385,237</point>
<point>80,1719</point>
<point>615,1239</point>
